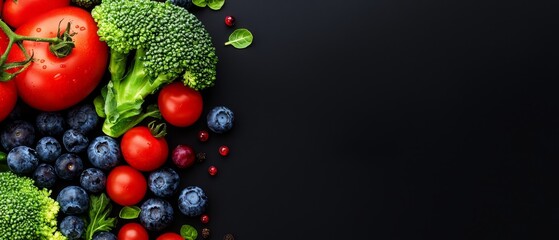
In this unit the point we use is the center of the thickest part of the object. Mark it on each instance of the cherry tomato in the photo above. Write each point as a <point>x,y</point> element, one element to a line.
<point>17,12</point>
<point>8,91</point>
<point>126,185</point>
<point>180,105</point>
<point>141,150</point>
<point>170,236</point>
<point>51,83</point>
<point>133,231</point>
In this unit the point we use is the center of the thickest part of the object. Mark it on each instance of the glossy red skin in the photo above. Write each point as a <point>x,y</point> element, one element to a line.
<point>133,231</point>
<point>180,105</point>
<point>170,236</point>
<point>17,12</point>
<point>141,150</point>
<point>126,185</point>
<point>8,91</point>
<point>51,83</point>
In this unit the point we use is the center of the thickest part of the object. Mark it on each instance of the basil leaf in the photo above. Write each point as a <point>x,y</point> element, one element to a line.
<point>188,232</point>
<point>129,212</point>
<point>215,4</point>
<point>199,3</point>
<point>240,38</point>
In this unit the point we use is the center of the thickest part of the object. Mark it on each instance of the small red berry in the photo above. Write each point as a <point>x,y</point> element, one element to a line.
<point>203,135</point>
<point>229,21</point>
<point>223,151</point>
<point>204,218</point>
<point>212,170</point>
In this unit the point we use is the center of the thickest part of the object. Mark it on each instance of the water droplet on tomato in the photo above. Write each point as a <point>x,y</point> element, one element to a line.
<point>62,65</point>
<point>42,60</point>
<point>44,66</point>
<point>38,29</point>
<point>57,76</point>
<point>77,26</point>
<point>82,28</point>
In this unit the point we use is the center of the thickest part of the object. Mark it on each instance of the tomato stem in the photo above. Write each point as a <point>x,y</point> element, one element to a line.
<point>159,130</point>
<point>60,46</point>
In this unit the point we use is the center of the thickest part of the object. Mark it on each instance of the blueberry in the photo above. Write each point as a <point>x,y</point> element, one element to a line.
<point>104,236</point>
<point>50,123</point>
<point>22,159</point>
<point>48,149</point>
<point>220,119</point>
<point>17,133</point>
<point>192,201</point>
<point>93,180</point>
<point>74,141</point>
<point>82,118</point>
<point>72,227</point>
<point>73,200</point>
<point>104,152</point>
<point>163,182</point>
<point>44,176</point>
<point>187,4</point>
<point>156,214</point>
<point>68,166</point>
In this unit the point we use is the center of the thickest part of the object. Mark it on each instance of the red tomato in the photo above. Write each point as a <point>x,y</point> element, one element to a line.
<point>133,231</point>
<point>142,150</point>
<point>17,12</point>
<point>8,91</point>
<point>51,83</point>
<point>170,236</point>
<point>180,105</point>
<point>126,185</point>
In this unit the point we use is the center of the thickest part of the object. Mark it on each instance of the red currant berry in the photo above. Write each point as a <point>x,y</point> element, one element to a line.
<point>229,21</point>
<point>203,135</point>
<point>223,151</point>
<point>204,218</point>
<point>212,170</point>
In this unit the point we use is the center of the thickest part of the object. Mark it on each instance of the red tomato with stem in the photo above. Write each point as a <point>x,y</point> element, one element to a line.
<point>17,12</point>
<point>170,236</point>
<point>52,83</point>
<point>144,148</point>
<point>180,105</point>
<point>133,231</point>
<point>126,185</point>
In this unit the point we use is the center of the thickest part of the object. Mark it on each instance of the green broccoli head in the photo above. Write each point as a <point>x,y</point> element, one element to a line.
<point>172,41</point>
<point>86,4</point>
<point>26,211</point>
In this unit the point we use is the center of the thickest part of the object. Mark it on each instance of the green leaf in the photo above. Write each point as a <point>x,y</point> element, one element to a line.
<point>129,212</point>
<point>188,232</point>
<point>3,157</point>
<point>240,38</point>
<point>199,3</point>
<point>215,4</point>
<point>99,103</point>
<point>99,220</point>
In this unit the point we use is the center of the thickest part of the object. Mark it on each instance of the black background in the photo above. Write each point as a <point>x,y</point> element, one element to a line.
<point>383,119</point>
<point>388,119</point>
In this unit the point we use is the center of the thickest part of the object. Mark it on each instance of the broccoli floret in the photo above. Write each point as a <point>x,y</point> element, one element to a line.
<point>86,4</point>
<point>26,212</point>
<point>151,44</point>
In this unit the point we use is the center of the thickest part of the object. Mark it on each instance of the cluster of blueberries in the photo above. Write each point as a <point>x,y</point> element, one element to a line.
<point>58,155</point>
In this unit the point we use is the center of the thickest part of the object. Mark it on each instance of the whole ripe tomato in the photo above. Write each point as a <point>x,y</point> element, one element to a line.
<point>126,185</point>
<point>51,83</point>
<point>17,12</point>
<point>170,236</point>
<point>142,150</point>
<point>180,105</point>
<point>133,231</point>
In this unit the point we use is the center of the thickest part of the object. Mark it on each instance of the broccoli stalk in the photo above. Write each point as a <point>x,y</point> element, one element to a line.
<point>27,211</point>
<point>151,44</point>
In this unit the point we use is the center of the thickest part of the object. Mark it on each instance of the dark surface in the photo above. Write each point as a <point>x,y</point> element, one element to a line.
<point>383,119</point>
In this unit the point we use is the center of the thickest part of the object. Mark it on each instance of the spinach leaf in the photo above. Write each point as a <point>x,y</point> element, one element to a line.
<point>129,212</point>
<point>240,38</point>
<point>99,220</point>
<point>188,232</point>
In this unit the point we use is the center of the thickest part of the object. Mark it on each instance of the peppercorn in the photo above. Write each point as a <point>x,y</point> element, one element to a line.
<point>228,236</point>
<point>200,157</point>
<point>205,233</point>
